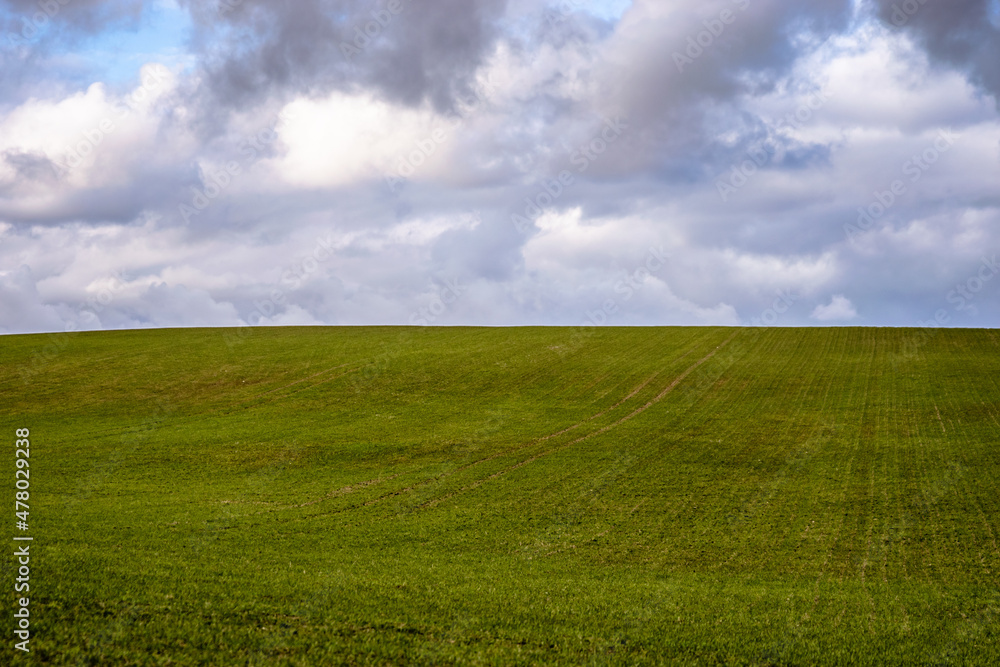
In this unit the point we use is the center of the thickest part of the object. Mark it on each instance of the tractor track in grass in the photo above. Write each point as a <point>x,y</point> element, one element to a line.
<point>669,388</point>
<point>374,482</point>
<point>292,384</point>
<point>254,401</point>
<point>350,488</point>
<point>342,491</point>
<point>535,441</point>
<point>491,457</point>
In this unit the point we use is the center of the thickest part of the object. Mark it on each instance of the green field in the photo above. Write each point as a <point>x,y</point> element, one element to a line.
<point>315,496</point>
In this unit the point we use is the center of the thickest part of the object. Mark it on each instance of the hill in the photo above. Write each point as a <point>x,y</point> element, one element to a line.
<point>501,496</point>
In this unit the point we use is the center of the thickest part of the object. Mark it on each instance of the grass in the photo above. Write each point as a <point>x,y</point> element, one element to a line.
<point>313,496</point>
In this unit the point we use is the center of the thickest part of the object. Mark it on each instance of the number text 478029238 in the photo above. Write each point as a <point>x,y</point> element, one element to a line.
<point>22,622</point>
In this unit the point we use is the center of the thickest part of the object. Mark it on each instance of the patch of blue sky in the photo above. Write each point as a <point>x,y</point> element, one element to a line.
<point>113,56</point>
<point>525,15</point>
<point>609,10</point>
<point>116,56</point>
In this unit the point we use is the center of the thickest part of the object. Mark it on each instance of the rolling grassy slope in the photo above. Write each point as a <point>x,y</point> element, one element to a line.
<point>502,496</point>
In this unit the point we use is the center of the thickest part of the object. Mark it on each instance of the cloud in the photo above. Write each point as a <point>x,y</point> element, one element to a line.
<point>840,309</point>
<point>368,140</point>
<point>668,65</point>
<point>22,306</point>
<point>962,34</point>
<point>408,52</point>
<point>287,169</point>
<point>92,155</point>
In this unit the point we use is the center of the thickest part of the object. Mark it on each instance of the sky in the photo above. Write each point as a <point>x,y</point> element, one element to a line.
<point>234,163</point>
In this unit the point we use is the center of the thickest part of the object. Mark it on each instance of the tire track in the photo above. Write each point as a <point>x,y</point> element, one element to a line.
<point>634,391</point>
<point>487,459</point>
<point>271,391</point>
<point>669,388</point>
<point>534,441</point>
<point>940,421</point>
<point>343,491</point>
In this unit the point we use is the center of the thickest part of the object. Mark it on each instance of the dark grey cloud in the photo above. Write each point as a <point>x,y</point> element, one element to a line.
<point>150,189</point>
<point>254,49</point>
<point>963,34</point>
<point>678,72</point>
<point>688,56</point>
<point>30,169</point>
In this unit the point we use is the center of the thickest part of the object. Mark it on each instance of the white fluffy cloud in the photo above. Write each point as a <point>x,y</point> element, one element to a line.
<point>840,309</point>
